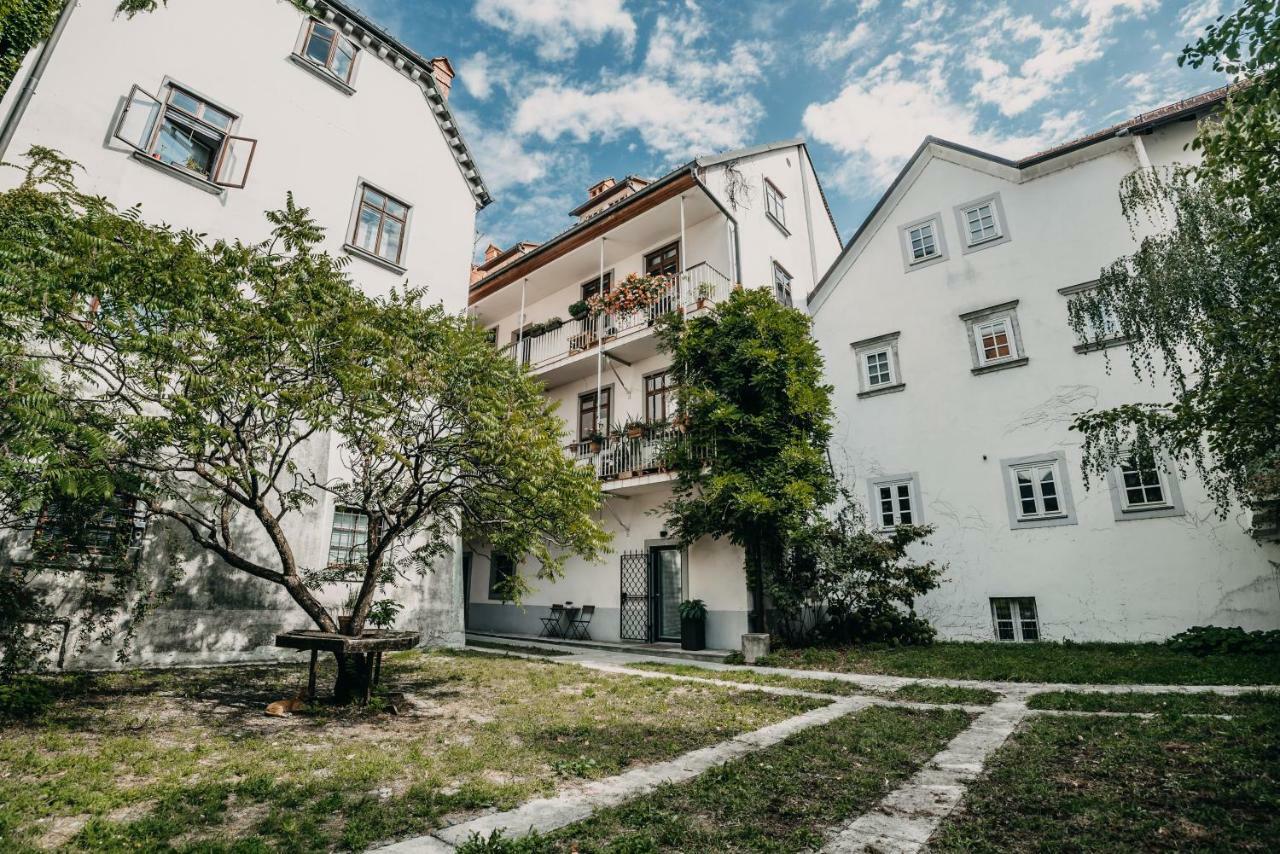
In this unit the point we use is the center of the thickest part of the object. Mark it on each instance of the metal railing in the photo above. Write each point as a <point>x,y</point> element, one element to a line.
<point>697,287</point>
<point>625,456</point>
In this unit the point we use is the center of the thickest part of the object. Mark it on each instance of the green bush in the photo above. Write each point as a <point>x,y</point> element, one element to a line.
<point>24,699</point>
<point>1217,640</point>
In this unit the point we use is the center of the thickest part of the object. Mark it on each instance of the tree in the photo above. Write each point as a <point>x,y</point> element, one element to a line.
<point>1200,298</point>
<point>752,465</point>
<point>226,370</point>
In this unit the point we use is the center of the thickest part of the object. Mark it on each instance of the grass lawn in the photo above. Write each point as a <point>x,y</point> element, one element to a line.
<point>840,687</point>
<point>185,759</point>
<point>1101,663</point>
<point>781,799</point>
<point>1175,704</point>
<point>1168,783</point>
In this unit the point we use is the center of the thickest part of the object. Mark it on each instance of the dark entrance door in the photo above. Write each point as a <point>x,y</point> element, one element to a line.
<point>633,616</point>
<point>466,590</point>
<point>667,566</point>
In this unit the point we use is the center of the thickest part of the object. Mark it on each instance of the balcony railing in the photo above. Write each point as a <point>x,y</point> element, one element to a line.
<point>695,288</point>
<point>620,457</point>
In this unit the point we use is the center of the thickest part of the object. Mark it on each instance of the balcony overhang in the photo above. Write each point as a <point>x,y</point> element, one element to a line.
<point>573,257</point>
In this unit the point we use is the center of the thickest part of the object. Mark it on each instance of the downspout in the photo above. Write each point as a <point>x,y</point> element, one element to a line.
<point>600,427</point>
<point>683,265</point>
<point>808,218</point>
<point>524,283</point>
<point>14,118</point>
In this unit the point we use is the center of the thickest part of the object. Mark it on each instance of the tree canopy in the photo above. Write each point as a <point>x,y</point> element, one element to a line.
<point>1199,300</point>
<point>209,381</point>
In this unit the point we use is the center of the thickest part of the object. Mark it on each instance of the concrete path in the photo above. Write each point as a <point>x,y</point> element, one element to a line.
<point>902,821</point>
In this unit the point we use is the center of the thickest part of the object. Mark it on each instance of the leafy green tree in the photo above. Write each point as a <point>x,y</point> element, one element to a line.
<point>23,25</point>
<point>219,376</point>
<point>1200,298</point>
<point>752,465</point>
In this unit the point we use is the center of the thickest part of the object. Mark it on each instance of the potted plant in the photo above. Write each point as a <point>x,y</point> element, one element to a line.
<point>704,294</point>
<point>693,624</point>
<point>552,325</point>
<point>635,428</point>
<point>579,309</point>
<point>596,440</point>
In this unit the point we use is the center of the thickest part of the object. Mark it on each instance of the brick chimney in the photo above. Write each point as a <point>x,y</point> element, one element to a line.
<point>491,251</point>
<point>597,189</point>
<point>442,70</point>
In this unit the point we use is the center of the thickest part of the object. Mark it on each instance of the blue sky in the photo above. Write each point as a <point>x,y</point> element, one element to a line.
<point>554,95</point>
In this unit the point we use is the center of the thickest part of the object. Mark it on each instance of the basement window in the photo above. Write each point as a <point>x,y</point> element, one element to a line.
<point>188,134</point>
<point>1015,619</point>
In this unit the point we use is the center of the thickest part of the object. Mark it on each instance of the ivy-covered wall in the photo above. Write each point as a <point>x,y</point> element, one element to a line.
<point>23,25</point>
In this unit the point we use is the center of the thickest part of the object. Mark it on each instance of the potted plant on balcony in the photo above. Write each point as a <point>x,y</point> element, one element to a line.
<point>551,325</point>
<point>693,624</point>
<point>579,309</point>
<point>635,428</point>
<point>595,440</point>
<point>704,294</point>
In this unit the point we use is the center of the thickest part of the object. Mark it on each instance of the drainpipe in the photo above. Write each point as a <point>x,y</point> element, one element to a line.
<point>600,426</point>
<point>19,109</point>
<point>524,283</point>
<point>680,277</point>
<point>801,157</point>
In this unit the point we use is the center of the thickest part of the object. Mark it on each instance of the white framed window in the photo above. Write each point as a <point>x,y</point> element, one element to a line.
<point>1015,619</point>
<point>326,48</point>
<point>188,134</point>
<point>995,339</point>
<point>923,243</point>
<point>982,223</point>
<point>380,226</point>
<point>348,538</point>
<point>895,500</point>
<point>1143,487</point>
<point>878,368</point>
<point>775,203</point>
<point>1038,492</point>
<point>782,284</point>
<point>1103,329</point>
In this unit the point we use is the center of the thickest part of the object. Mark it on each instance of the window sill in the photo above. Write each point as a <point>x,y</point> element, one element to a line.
<point>921,263</point>
<point>1001,366</point>
<point>773,219</point>
<point>377,260</point>
<point>887,389</point>
<point>181,174</point>
<point>323,74</point>
<point>1044,522</point>
<point>1163,511</point>
<point>1105,344</point>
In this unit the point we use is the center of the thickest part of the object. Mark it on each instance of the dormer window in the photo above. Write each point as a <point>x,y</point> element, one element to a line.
<point>188,134</point>
<point>328,49</point>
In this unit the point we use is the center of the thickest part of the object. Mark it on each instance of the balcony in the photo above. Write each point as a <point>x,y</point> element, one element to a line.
<point>630,464</point>
<point>561,351</point>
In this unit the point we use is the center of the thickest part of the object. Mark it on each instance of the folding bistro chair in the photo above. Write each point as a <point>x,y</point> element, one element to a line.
<point>578,628</point>
<point>551,624</point>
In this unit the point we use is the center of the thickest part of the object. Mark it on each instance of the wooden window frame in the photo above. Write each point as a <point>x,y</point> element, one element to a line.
<point>775,206</point>
<point>383,214</point>
<point>653,391</point>
<point>658,253</point>
<point>591,287</point>
<point>338,38</point>
<point>779,288</point>
<point>605,392</point>
<point>495,558</point>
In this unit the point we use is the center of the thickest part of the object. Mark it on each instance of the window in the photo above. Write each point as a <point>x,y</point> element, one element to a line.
<point>782,284</point>
<point>492,335</point>
<point>593,287</point>
<point>877,360</point>
<point>922,242</point>
<point>381,222</point>
<point>113,529</point>
<point>1102,327</point>
<point>1015,619</point>
<point>348,538</point>
<point>1037,491</point>
<point>501,569</point>
<point>325,47</point>
<point>894,501</point>
<point>995,338</point>
<point>186,133</point>
<point>1142,487</point>
<point>589,421</point>
<point>774,204</point>
<point>994,341</point>
<point>982,223</point>
<point>664,261</point>
<point>658,397</point>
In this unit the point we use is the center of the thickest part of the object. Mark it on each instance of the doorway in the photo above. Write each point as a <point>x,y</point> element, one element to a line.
<point>666,566</point>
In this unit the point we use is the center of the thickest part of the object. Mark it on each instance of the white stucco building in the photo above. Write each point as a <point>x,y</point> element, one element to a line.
<point>755,216</point>
<point>207,113</point>
<point>944,329</point>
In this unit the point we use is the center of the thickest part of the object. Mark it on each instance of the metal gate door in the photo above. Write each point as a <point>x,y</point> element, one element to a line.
<point>633,617</point>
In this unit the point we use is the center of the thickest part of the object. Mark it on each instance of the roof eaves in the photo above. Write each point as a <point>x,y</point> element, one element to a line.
<point>750,151</point>
<point>418,69</point>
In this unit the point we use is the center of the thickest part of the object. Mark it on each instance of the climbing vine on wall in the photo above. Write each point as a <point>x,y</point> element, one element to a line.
<point>23,25</point>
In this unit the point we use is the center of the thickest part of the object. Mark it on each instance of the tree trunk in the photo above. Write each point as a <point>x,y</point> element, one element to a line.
<point>756,621</point>
<point>354,683</point>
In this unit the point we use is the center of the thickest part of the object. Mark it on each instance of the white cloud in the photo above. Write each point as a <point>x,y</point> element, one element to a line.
<point>475,74</point>
<point>1197,15</point>
<point>503,159</point>
<point>560,26</point>
<point>836,47</point>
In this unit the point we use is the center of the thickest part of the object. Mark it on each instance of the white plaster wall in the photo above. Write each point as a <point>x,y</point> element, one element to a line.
<point>314,141</point>
<point>1098,579</point>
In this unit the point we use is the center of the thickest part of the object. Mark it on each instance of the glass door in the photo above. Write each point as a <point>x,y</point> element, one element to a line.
<point>668,587</point>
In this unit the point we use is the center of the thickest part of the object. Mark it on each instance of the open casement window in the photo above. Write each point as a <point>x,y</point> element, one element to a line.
<point>185,132</point>
<point>329,49</point>
<point>782,284</point>
<point>774,203</point>
<point>1015,619</point>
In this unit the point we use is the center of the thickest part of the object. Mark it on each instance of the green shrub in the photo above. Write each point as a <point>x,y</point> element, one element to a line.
<point>24,699</point>
<point>1217,640</point>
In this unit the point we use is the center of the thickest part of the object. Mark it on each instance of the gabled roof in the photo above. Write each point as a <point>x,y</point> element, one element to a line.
<point>414,66</point>
<point>1144,123</point>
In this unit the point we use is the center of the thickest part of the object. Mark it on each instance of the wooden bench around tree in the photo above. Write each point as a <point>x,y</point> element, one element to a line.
<point>372,643</point>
